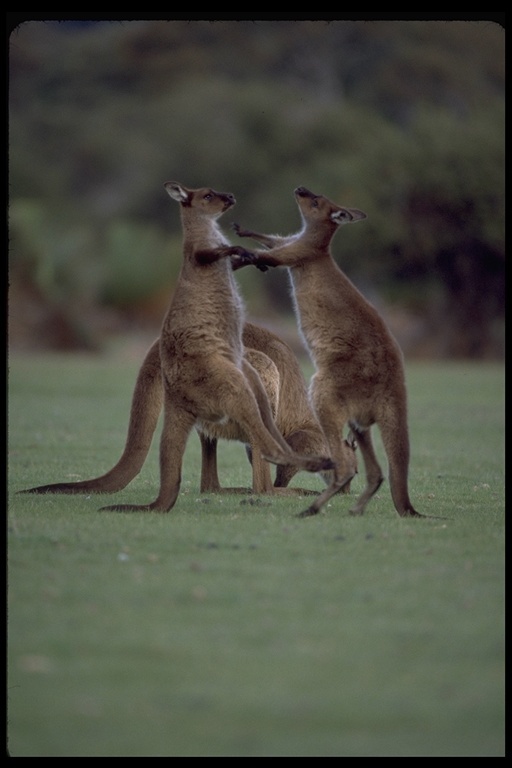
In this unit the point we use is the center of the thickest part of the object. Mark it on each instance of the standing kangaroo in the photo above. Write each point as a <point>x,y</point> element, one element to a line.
<point>359,377</point>
<point>204,374</point>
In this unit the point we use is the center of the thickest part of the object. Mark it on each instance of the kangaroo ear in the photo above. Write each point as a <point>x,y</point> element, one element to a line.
<point>347,216</point>
<point>176,191</point>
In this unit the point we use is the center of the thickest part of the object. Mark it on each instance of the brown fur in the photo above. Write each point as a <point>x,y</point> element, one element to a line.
<point>211,432</point>
<point>359,377</point>
<point>284,384</point>
<point>295,417</point>
<point>146,407</point>
<point>286,388</point>
<point>204,373</point>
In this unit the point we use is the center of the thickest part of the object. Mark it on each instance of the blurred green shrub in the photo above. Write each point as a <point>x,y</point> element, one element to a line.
<point>139,261</point>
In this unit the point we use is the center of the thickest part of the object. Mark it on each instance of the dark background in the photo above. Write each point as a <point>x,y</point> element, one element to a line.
<point>403,119</point>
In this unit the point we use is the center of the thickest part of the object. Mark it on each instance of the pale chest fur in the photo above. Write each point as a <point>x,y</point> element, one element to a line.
<point>206,314</point>
<point>334,318</point>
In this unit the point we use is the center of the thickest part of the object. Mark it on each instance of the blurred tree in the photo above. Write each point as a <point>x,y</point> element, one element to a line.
<point>401,119</point>
<point>53,282</point>
<point>455,211</point>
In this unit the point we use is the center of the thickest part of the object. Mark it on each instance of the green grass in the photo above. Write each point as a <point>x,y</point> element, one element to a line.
<point>226,628</point>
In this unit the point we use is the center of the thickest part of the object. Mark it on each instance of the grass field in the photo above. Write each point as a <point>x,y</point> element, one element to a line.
<point>229,627</point>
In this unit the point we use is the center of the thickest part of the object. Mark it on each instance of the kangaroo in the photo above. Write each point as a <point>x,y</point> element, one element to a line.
<point>284,384</point>
<point>204,374</point>
<point>147,400</point>
<point>295,417</point>
<point>211,432</point>
<point>286,388</point>
<point>359,378</point>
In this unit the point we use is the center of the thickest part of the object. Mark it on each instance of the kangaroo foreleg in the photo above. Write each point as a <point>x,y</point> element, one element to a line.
<point>239,256</point>
<point>269,241</point>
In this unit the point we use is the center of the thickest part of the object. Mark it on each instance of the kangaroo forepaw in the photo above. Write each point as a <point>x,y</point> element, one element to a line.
<point>240,257</point>
<point>239,250</point>
<point>239,231</point>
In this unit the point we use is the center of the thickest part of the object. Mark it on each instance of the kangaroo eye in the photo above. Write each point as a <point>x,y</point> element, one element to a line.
<point>208,196</point>
<point>314,203</point>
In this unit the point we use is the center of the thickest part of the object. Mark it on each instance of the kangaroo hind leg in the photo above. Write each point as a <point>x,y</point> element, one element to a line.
<point>374,476</point>
<point>178,424</point>
<point>332,416</point>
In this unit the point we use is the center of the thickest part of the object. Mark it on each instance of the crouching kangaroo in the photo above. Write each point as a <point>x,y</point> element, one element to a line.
<point>286,389</point>
<point>295,418</point>
<point>359,378</point>
<point>200,354</point>
<point>211,432</point>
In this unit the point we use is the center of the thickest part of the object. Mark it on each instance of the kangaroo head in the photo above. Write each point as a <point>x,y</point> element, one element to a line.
<point>204,200</point>
<point>319,209</point>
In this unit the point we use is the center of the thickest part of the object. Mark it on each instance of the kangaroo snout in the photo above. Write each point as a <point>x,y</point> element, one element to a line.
<point>303,192</point>
<point>229,200</point>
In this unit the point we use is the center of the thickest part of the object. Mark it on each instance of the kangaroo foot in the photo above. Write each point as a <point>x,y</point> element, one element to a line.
<point>309,512</point>
<point>411,513</point>
<point>131,508</point>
